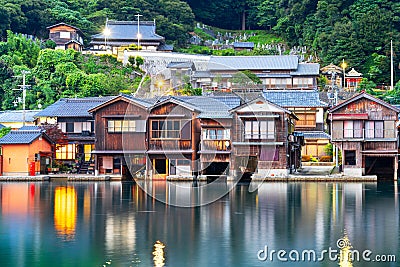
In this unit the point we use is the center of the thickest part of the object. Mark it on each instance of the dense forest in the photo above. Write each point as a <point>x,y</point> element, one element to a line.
<point>357,31</point>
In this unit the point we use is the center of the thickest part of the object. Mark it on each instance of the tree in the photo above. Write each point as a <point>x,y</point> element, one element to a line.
<point>54,133</point>
<point>4,131</point>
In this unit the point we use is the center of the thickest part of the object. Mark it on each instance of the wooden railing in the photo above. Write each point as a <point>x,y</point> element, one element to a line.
<point>216,145</point>
<point>170,145</point>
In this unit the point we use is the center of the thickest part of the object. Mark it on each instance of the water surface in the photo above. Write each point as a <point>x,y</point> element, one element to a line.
<point>118,224</point>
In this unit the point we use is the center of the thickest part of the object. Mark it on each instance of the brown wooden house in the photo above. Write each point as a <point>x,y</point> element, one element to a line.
<point>364,129</point>
<point>260,139</point>
<point>216,123</point>
<point>173,138</point>
<point>120,145</point>
<point>66,36</point>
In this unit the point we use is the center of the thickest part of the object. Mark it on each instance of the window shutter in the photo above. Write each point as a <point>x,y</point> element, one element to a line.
<point>389,129</point>
<point>141,126</point>
<point>337,130</point>
<point>185,132</point>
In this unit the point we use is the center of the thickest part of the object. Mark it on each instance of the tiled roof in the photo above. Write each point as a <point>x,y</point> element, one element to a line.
<point>230,101</point>
<point>306,69</point>
<point>128,30</point>
<point>294,98</point>
<point>142,101</point>
<point>20,137</point>
<point>367,96</point>
<point>17,115</point>
<point>72,107</point>
<point>180,65</point>
<point>202,74</point>
<point>30,128</point>
<point>64,24</point>
<point>253,63</point>
<point>165,47</point>
<point>316,135</point>
<point>210,107</point>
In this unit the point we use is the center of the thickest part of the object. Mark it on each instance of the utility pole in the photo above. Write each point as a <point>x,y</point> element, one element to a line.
<point>391,66</point>
<point>23,88</point>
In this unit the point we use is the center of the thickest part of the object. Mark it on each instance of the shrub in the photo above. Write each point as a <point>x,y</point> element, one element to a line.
<point>325,159</point>
<point>313,159</point>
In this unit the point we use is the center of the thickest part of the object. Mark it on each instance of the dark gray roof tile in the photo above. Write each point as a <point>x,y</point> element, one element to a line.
<point>316,135</point>
<point>20,137</point>
<point>17,115</point>
<point>72,107</point>
<point>128,30</point>
<point>253,63</point>
<point>306,69</point>
<point>294,98</point>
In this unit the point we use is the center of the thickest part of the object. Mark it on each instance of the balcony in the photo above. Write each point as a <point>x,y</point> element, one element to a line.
<point>215,145</point>
<point>168,145</point>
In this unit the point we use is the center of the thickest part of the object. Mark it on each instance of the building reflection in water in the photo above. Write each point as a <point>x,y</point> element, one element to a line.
<point>120,229</point>
<point>185,194</point>
<point>65,211</point>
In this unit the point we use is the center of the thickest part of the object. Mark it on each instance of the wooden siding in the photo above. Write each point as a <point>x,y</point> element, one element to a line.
<point>118,141</point>
<point>281,129</point>
<point>172,111</point>
<point>374,110</point>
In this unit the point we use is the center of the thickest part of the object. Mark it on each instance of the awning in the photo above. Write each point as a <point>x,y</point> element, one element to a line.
<point>352,116</point>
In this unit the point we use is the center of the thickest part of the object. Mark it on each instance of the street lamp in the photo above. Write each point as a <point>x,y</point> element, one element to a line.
<point>138,31</point>
<point>106,33</point>
<point>159,84</point>
<point>344,66</point>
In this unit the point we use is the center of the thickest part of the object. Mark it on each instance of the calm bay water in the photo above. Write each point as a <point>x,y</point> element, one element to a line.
<point>118,224</point>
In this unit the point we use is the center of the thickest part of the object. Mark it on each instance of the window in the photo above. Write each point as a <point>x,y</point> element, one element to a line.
<point>77,127</point>
<point>358,129</point>
<point>216,134</point>
<point>348,129</point>
<point>259,130</point>
<point>167,129</point>
<point>306,119</point>
<point>87,126</point>
<point>66,151</point>
<point>65,35</point>
<point>118,126</point>
<point>350,157</point>
<point>62,126</point>
<point>374,129</point>
<point>70,127</point>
